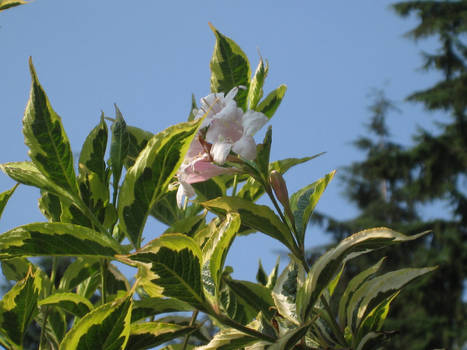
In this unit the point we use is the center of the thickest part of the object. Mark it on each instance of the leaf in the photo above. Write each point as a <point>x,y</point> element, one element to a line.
<point>272,278</point>
<point>176,263</point>
<point>231,339</point>
<point>284,165</point>
<point>272,101</point>
<point>69,302</point>
<point>48,143</point>
<point>303,202</point>
<point>214,253</point>
<point>352,286</point>
<point>78,271</point>
<point>6,4</point>
<point>325,268</point>
<point>50,206</point>
<point>255,92</point>
<point>5,196</point>
<point>255,295</point>
<point>290,339</point>
<point>93,151</point>
<point>188,225</point>
<point>264,150</point>
<point>119,146</point>
<point>54,239</point>
<point>210,189</point>
<point>147,180</point>
<point>151,334</point>
<point>106,327</point>
<point>138,139</point>
<point>230,68</point>
<point>235,307</point>
<point>284,292</point>
<point>261,276</point>
<point>257,217</point>
<point>193,109</point>
<point>15,269</point>
<point>374,291</point>
<point>148,307</point>
<point>19,306</point>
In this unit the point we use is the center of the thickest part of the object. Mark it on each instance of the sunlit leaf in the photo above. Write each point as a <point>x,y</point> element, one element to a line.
<point>150,334</point>
<point>272,101</point>
<point>6,4</point>
<point>149,307</point>
<point>255,93</point>
<point>4,197</point>
<point>69,302</point>
<point>119,146</point>
<point>138,139</point>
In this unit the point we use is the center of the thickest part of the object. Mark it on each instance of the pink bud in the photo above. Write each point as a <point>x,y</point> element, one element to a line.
<point>280,188</point>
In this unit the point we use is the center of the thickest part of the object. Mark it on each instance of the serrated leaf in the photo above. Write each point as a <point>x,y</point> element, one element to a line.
<point>138,139</point>
<point>255,295</point>
<point>148,307</point>
<point>257,217</point>
<point>231,339</point>
<point>188,225</point>
<point>272,101</point>
<point>374,291</point>
<point>303,202</point>
<point>119,146</point>
<point>106,327</point>
<point>230,68</point>
<point>49,147</point>
<point>325,268</point>
<point>6,4</point>
<point>176,263</point>
<point>93,151</point>
<point>69,302</point>
<point>5,196</point>
<point>214,254</point>
<point>147,180</point>
<point>255,92</point>
<point>352,286</point>
<point>150,334</point>
<point>19,306</point>
<point>15,269</point>
<point>284,292</point>
<point>56,239</point>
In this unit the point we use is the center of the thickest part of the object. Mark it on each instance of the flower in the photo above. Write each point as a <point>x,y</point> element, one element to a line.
<point>225,128</point>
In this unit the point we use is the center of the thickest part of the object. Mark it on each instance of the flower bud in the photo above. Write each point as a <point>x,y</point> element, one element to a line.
<point>280,188</point>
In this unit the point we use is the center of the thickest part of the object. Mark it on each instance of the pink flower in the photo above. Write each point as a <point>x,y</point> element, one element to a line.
<point>225,128</point>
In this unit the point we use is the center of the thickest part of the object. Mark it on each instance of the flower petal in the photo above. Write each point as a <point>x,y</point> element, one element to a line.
<point>185,190</point>
<point>253,121</point>
<point>220,151</point>
<point>245,147</point>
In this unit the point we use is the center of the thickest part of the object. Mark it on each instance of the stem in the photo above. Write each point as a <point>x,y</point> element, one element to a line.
<point>192,322</point>
<point>103,265</point>
<point>234,189</point>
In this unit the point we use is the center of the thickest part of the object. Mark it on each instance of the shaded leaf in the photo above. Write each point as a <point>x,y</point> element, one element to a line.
<point>138,139</point>
<point>150,334</point>
<point>147,180</point>
<point>106,327</point>
<point>149,307</point>
<point>69,302</point>
<point>56,239</point>
<point>78,271</point>
<point>119,146</point>
<point>6,4</point>
<point>261,276</point>
<point>5,196</point>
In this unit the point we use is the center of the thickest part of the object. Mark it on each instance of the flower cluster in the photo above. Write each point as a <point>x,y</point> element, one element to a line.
<point>225,128</point>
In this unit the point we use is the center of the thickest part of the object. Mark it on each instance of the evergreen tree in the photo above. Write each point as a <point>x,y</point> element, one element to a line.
<point>393,183</point>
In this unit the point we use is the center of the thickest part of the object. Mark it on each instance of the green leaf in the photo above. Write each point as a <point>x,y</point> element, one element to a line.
<point>325,268</point>
<point>19,306</point>
<point>255,92</point>
<point>284,292</point>
<point>257,217</point>
<point>93,151</point>
<point>231,339</point>
<point>69,302</point>
<point>6,4</point>
<point>290,339</point>
<point>374,291</point>
<point>255,295</point>
<point>235,307</point>
<point>284,165</point>
<point>264,150</point>
<point>210,189</point>
<point>261,276</point>
<point>272,101</point>
<point>56,239</point>
<point>352,286</point>
<point>303,202</point>
<point>176,263</point>
<point>230,68</point>
<point>214,253</point>
<point>272,278</point>
<point>50,206</point>
<point>119,146</point>
<point>5,196</point>
<point>78,271</point>
<point>15,269</point>
<point>188,225</point>
<point>48,143</point>
<point>147,180</point>
<point>138,139</point>
<point>151,334</point>
<point>148,307</point>
<point>106,327</point>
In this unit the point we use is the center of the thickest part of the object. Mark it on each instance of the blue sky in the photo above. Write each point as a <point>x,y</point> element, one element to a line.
<point>149,59</point>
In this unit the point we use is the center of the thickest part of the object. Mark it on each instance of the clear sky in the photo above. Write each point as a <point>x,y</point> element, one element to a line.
<point>150,56</point>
